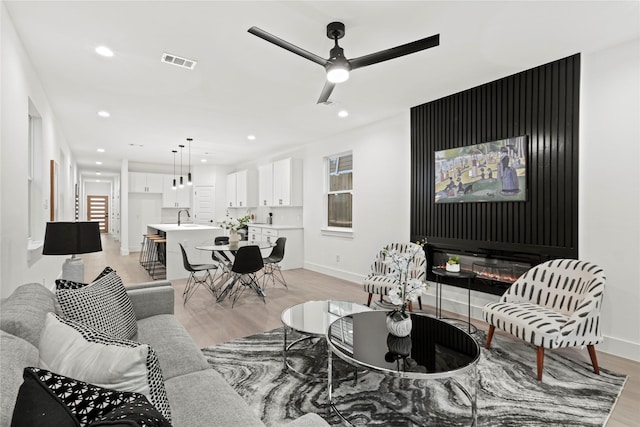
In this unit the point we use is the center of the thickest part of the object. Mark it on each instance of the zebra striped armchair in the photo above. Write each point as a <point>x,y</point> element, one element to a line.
<point>553,305</point>
<point>379,281</point>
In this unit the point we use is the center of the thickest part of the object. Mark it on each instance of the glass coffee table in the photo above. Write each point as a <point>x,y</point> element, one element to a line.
<point>311,320</point>
<point>435,350</point>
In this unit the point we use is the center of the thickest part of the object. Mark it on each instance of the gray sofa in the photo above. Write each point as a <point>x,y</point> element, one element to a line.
<point>197,394</point>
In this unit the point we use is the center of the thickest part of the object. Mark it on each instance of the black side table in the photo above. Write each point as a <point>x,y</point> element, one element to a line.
<point>463,274</point>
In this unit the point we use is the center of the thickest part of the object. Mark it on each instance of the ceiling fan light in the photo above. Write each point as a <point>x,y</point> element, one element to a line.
<point>337,74</point>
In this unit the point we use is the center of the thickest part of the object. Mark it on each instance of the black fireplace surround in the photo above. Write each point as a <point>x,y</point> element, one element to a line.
<point>501,240</point>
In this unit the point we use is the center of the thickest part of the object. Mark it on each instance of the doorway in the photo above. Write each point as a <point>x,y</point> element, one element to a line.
<point>98,210</point>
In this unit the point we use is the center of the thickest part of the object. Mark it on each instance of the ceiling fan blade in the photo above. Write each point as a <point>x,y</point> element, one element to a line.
<point>326,91</point>
<point>395,52</point>
<point>288,46</point>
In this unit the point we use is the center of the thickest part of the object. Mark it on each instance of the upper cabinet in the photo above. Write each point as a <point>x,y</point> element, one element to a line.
<point>281,183</point>
<point>265,185</point>
<point>140,182</point>
<point>242,189</point>
<point>178,198</point>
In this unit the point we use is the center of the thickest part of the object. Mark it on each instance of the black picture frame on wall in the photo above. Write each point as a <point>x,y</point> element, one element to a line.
<point>494,171</point>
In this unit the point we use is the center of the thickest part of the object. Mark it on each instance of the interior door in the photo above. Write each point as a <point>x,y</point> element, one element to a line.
<point>98,210</point>
<point>204,204</point>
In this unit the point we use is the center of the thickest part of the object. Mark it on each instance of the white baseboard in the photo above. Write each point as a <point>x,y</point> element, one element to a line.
<point>340,274</point>
<point>619,347</point>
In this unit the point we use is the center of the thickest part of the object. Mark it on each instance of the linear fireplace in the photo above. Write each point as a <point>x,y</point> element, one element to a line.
<point>496,269</point>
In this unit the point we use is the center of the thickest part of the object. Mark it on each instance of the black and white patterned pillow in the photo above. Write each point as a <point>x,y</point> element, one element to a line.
<point>70,284</point>
<point>79,351</point>
<point>47,398</point>
<point>103,304</point>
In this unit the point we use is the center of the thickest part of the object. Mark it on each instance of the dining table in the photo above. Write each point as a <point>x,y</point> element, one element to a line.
<point>228,252</point>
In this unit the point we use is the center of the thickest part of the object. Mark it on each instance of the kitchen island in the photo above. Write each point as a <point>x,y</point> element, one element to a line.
<point>190,235</point>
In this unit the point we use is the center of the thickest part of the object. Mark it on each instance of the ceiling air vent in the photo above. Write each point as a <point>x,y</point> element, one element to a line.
<point>178,61</point>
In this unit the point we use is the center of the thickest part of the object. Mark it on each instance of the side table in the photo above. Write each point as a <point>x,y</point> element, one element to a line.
<point>463,274</point>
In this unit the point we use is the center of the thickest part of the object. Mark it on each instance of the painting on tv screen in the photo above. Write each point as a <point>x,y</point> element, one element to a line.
<point>489,172</point>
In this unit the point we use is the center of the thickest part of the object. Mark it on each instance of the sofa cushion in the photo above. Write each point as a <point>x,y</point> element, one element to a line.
<point>50,399</point>
<point>176,351</point>
<point>78,351</point>
<point>205,399</point>
<point>15,355</point>
<point>70,284</point>
<point>24,312</point>
<point>103,304</point>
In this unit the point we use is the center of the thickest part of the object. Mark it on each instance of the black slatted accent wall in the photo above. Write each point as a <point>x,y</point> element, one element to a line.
<point>541,103</point>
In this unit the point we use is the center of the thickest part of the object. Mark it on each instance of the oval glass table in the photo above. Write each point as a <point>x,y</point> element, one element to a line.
<point>311,320</point>
<point>435,350</point>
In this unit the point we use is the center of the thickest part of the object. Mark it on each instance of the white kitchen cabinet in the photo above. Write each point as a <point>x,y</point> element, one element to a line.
<point>265,185</point>
<point>140,182</point>
<point>242,191</point>
<point>294,247</point>
<point>283,186</point>
<point>178,198</point>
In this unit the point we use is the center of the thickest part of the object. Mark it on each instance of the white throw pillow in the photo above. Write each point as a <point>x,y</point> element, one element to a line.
<point>78,351</point>
<point>103,304</point>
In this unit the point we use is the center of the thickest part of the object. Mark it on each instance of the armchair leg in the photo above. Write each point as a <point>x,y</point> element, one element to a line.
<point>369,300</point>
<point>492,329</point>
<point>540,359</point>
<point>594,359</point>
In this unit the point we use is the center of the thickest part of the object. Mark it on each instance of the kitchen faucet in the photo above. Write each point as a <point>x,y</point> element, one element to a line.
<point>180,211</point>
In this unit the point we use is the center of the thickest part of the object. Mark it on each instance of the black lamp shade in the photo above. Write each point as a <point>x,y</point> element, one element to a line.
<point>71,238</point>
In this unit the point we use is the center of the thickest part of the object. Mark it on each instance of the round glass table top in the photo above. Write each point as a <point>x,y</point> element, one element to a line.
<point>314,317</point>
<point>434,349</point>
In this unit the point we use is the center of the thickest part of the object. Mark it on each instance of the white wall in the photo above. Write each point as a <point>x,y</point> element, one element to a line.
<point>610,187</point>
<point>381,197</point>
<point>19,83</point>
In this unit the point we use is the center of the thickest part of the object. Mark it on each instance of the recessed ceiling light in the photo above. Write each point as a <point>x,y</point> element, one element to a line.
<point>204,160</point>
<point>104,114</point>
<point>251,137</point>
<point>343,113</point>
<point>104,51</point>
<point>100,150</point>
<point>98,173</point>
<point>98,163</point>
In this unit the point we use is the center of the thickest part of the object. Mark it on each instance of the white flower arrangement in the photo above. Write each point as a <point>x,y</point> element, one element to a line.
<point>407,289</point>
<point>235,223</point>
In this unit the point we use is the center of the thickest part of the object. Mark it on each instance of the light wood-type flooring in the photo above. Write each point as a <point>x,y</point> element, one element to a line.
<point>210,323</point>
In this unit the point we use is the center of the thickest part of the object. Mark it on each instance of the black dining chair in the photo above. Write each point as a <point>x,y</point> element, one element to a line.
<point>193,282</point>
<point>247,263</point>
<point>272,268</point>
<point>220,257</point>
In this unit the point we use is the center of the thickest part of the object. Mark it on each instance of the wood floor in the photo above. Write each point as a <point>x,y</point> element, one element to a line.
<point>211,323</point>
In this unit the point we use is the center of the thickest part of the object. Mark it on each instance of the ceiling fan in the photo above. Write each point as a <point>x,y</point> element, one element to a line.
<point>337,66</point>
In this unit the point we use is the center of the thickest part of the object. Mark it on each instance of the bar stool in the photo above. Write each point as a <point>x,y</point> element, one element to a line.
<point>159,246</point>
<point>146,248</point>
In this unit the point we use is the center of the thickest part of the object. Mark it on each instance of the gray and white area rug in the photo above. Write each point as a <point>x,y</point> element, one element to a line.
<point>508,393</point>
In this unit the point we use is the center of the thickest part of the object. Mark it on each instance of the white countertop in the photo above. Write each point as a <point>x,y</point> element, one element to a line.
<point>183,227</point>
<point>276,227</point>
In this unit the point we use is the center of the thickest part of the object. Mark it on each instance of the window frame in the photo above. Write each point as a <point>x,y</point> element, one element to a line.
<point>335,230</point>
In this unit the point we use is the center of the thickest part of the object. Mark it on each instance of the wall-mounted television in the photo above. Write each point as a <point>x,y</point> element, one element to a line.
<point>493,171</point>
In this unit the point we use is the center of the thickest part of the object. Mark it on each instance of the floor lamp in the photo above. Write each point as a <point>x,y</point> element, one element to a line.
<point>72,238</point>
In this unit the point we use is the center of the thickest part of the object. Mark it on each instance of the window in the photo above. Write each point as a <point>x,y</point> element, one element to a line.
<point>340,191</point>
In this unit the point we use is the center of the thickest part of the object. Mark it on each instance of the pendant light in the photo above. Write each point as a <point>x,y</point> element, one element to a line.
<point>189,174</point>
<point>174,169</point>
<point>181,178</point>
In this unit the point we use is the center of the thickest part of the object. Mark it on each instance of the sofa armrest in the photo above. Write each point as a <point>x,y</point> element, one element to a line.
<point>151,298</point>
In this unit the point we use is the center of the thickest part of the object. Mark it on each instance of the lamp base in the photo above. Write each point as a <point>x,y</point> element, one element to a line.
<point>73,269</point>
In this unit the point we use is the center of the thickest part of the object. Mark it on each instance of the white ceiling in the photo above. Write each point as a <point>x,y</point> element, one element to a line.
<point>244,85</point>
